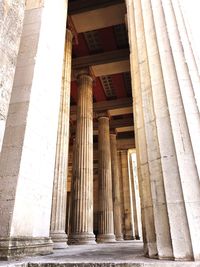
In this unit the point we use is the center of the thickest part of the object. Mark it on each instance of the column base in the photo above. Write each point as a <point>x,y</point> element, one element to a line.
<point>17,247</point>
<point>137,237</point>
<point>106,238</point>
<point>59,240</point>
<point>81,239</point>
<point>119,238</point>
<point>128,237</point>
<point>150,250</point>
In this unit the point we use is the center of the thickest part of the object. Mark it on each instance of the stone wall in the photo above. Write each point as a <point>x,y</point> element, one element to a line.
<point>29,144</point>
<point>11,21</point>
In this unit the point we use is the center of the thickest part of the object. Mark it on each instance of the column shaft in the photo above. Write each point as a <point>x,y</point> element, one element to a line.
<point>96,200</point>
<point>121,190</point>
<point>135,198</point>
<point>128,215</point>
<point>116,188</point>
<point>81,223</point>
<point>148,222</point>
<point>58,212</point>
<point>106,224</point>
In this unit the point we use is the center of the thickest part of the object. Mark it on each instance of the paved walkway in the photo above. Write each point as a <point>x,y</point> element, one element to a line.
<point>119,254</point>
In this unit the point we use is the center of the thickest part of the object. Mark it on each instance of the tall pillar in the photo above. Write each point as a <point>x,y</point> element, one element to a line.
<point>58,212</point>
<point>165,87</point>
<point>106,224</point>
<point>11,23</point>
<point>29,146</point>
<point>128,216</point>
<point>121,190</point>
<point>81,222</point>
<point>69,183</point>
<point>68,212</point>
<point>148,222</point>
<point>116,188</point>
<point>96,199</point>
<point>135,197</point>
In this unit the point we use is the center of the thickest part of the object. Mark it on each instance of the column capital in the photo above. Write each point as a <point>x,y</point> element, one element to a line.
<point>124,152</point>
<point>103,116</point>
<point>86,72</point>
<point>69,33</point>
<point>72,29</point>
<point>113,132</point>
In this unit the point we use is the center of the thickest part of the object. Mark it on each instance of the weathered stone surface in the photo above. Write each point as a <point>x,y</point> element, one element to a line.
<point>118,254</point>
<point>24,246</point>
<point>11,22</point>
<point>28,151</point>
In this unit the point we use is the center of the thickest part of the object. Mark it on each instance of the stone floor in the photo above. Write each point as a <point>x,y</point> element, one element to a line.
<point>119,254</point>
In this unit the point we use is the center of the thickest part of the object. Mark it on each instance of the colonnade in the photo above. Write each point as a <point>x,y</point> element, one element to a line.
<point>165,82</point>
<point>109,199</point>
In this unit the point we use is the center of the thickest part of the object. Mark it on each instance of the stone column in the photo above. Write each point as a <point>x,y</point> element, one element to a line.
<point>106,224</point>
<point>135,198</point>
<point>11,22</point>
<point>116,188</point>
<point>128,216</point>
<point>165,92</point>
<point>68,206</point>
<point>148,222</point>
<point>81,222</point>
<point>121,190</point>
<point>96,200</point>
<point>58,212</point>
<point>29,146</point>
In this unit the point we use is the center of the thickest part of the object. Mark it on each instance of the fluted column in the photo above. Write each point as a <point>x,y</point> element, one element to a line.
<point>96,200</point>
<point>135,197</point>
<point>148,222</point>
<point>116,190</point>
<point>58,212</point>
<point>121,190</point>
<point>128,216</point>
<point>165,92</point>
<point>106,224</point>
<point>81,222</point>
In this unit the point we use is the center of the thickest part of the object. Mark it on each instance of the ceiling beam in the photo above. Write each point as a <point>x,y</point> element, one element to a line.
<point>125,129</point>
<point>100,59</point>
<point>120,111</point>
<point>108,105</point>
<point>80,6</point>
<point>117,123</point>
<point>111,68</point>
<point>120,123</point>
